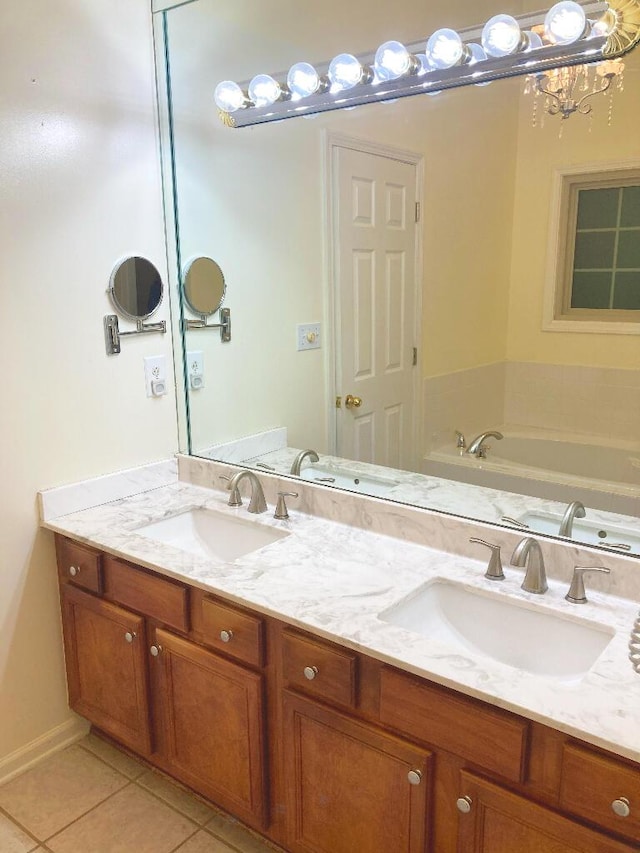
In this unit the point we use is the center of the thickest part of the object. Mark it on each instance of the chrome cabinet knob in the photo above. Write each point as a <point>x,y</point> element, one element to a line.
<point>310,672</point>
<point>414,777</point>
<point>226,636</point>
<point>621,807</point>
<point>130,636</point>
<point>74,571</point>
<point>463,804</point>
<point>155,650</point>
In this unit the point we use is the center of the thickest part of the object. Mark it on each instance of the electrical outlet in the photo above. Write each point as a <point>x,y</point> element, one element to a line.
<point>155,375</point>
<point>195,369</point>
<point>308,336</point>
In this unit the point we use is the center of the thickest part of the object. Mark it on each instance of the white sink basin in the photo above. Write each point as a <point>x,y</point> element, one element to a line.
<point>520,635</point>
<point>211,534</point>
<point>344,479</point>
<point>591,532</point>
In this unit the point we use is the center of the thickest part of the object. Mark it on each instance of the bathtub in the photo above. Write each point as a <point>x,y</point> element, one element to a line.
<point>555,467</point>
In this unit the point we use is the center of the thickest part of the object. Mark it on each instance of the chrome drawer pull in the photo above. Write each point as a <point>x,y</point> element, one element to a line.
<point>74,571</point>
<point>226,636</point>
<point>463,804</point>
<point>310,672</point>
<point>621,807</point>
<point>414,777</point>
<point>155,650</point>
<point>130,636</point>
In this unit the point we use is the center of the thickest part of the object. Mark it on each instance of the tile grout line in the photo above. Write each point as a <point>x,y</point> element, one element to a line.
<point>84,814</point>
<point>22,828</point>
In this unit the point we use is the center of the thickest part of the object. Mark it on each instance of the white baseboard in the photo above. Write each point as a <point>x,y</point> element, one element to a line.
<point>22,759</point>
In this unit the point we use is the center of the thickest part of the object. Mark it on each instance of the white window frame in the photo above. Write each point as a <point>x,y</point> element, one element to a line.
<point>560,250</point>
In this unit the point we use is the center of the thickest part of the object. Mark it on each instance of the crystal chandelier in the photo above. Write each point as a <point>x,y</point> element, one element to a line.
<point>569,90</point>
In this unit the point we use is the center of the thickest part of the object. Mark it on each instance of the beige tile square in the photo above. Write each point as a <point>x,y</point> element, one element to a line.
<point>131,821</point>
<point>119,760</point>
<point>13,839</point>
<point>202,842</point>
<point>59,790</point>
<point>181,800</point>
<point>233,832</point>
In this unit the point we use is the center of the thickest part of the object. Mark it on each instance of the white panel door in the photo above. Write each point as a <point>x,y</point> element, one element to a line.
<point>374,245</point>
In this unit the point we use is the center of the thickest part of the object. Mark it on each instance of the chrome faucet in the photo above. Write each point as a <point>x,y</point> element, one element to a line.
<point>257,503</point>
<point>478,448</point>
<point>297,462</point>
<point>574,510</point>
<point>528,553</point>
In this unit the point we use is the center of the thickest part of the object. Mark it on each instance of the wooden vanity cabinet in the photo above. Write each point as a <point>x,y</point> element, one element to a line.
<point>321,748</point>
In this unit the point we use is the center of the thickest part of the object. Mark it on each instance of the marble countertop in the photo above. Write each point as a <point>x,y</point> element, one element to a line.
<point>334,580</point>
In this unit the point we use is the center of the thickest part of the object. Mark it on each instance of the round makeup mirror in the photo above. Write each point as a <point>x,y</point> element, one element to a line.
<point>204,286</point>
<point>136,288</point>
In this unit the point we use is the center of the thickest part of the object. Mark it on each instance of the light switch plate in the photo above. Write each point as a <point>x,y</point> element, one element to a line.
<point>308,336</point>
<point>155,375</point>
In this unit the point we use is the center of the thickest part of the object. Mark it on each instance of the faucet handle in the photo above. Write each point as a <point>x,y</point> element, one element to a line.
<point>281,507</point>
<point>576,594</point>
<point>235,498</point>
<point>494,569</point>
<point>461,442</point>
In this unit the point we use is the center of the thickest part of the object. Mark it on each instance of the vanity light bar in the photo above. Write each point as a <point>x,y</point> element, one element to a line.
<point>503,47</point>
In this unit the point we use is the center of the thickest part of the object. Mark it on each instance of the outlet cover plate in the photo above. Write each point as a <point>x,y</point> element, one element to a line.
<point>308,336</point>
<point>195,369</point>
<point>155,375</point>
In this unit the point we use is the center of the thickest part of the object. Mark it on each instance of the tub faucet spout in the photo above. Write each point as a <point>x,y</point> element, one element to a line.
<point>478,447</point>
<point>574,510</point>
<point>297,462</point>
<point>528,553</point>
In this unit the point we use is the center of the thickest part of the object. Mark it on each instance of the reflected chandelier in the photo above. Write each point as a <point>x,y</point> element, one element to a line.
<point>569,34</point>
<point>569,90</point>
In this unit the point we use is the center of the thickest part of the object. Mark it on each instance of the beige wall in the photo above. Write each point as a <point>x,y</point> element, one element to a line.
<point>540,152</point>
<point>80,182</point>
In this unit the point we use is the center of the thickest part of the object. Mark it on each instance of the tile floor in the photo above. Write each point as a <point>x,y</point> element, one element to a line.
<point>93,798</point>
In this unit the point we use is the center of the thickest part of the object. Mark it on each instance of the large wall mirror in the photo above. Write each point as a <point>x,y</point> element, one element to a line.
<point>449,318</point>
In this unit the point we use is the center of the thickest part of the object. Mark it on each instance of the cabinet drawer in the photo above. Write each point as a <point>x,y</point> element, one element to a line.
<point>156,597</point>
<point>492,739</point>
<point>79,565</point>
<point>320,669</point>
<point>592,784</point>
<point>231,630</point>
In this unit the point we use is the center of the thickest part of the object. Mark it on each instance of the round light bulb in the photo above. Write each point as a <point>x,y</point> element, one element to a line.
<point>228,96</point>
<point>444,48</point>
<point>533,40</point>
<point>501,36</point>
<point>392,60</point>
<point>424,64</point>
<point>565,22</point>
<point>264,90</point>
<point>303,80</point>
<point>344,72</point>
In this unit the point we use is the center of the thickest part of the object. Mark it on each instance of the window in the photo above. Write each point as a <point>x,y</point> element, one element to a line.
<point>597,263</point>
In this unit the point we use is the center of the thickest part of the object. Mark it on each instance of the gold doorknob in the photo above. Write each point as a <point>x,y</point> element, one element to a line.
<point>352,402</point>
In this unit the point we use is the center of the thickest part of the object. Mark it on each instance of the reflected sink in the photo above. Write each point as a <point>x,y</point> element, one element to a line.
<point>514,633</point>
<point>591,532</point>
<point>211,534</point>
<point>344,479</point>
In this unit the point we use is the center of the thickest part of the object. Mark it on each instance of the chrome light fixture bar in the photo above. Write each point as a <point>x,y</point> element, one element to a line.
<point>568,34</point>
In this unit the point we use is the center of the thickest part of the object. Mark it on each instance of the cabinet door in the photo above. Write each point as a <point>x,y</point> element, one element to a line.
<point>212,715</point>
<point>105,652</point>
<point>499,821</point>
<point>350,786</point>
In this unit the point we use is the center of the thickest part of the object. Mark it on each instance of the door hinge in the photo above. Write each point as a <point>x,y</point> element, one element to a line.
<point>415,357</point>
<point>417,211</point>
